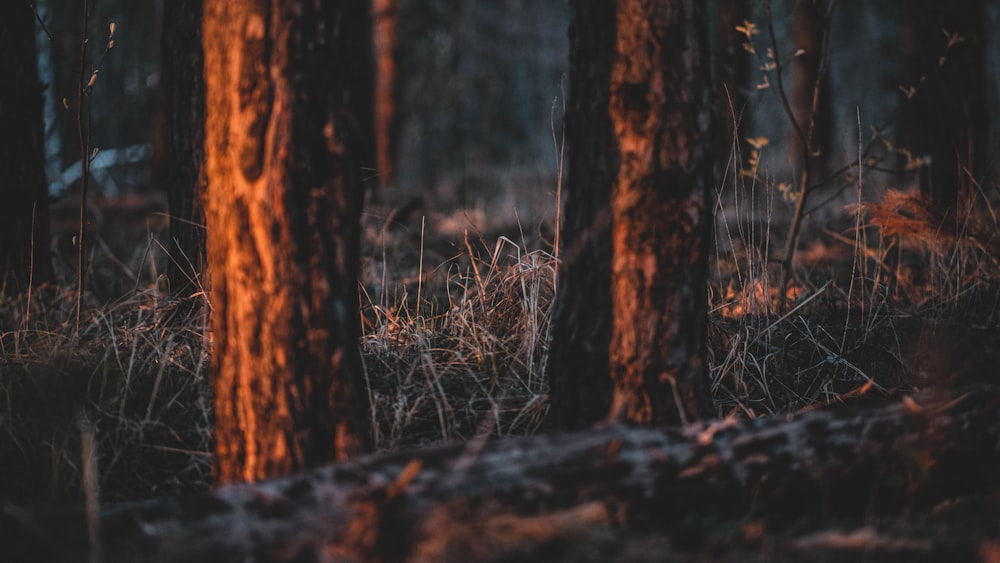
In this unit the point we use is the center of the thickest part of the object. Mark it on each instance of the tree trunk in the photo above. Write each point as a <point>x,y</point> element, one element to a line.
<point>732,71</point>
<point>282,212</point>
<point>580,389</point>
<point>805,63</point>
<point>24,215</point>
<point>661,112</point>
<point>485,501</point>
<point>183,86</point>
<point>631,300</point>
<point>355,33</point>
<point>946,118</point>
<point>385,15</point>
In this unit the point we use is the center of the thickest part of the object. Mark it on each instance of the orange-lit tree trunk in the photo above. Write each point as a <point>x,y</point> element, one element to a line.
<point>183,139</point>
<point>24,213</point>
<point>661,112</point>
<point>385,13</point>
<point>282,211</point>
<point>632,298</point>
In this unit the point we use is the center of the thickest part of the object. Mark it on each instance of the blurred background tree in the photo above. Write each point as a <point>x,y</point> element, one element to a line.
<point>477,81</point>
<point>476,92</point>
<point>24,213</point>
<point>946,122</point>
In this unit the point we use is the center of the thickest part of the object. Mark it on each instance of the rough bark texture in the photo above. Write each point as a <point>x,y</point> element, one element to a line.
<point>282,212</point>
<point>580,389</point>
<point>491,501</point>
<point>947,118</point>
<point>385,15</point>
<point>661,113</point>
<point>24,214</point>
<point>183,82</point>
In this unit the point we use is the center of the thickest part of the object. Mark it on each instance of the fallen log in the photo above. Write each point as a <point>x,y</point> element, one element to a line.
<point>489,498</point>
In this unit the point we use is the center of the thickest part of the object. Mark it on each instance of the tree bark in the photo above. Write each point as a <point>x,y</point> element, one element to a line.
<point>486,500</point>
<point>282,211</point>
<point>184,138</point>
<point>661,112</point>
<point>385,16</point>
<point>24,215</point>
<point>580,389</point>
<point>631,300</point>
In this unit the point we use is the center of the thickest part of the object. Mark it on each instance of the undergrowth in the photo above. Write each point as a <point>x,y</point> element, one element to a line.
<point>455,320</point>
<point>134,376</point>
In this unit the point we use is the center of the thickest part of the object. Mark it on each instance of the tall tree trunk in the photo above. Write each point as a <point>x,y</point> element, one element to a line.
<point>355,32</point>
<point>385,15</point>
<point>632,299</point>
<point>661,111</point>
<point>24,215</point>
<point>946,119</point>
<point>580,388</point>
<point>183,86</point>
<point>282,211</point>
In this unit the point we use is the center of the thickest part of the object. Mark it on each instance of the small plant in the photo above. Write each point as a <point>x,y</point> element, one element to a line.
<point>87,79</point>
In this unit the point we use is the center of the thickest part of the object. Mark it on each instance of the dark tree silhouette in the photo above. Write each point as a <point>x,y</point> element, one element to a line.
<point>356,31</point>
<point>183,94</point>
<point>282,212</point>
<point>642,302</point>
<point>580,388</point>
<point>24,217</point>
<point>810,106</point>
<point>732,68</point>
<point>946,119</point>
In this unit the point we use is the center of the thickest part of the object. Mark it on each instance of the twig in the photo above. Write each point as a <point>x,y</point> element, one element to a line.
<point>84,164</point>
<point>805,137</point>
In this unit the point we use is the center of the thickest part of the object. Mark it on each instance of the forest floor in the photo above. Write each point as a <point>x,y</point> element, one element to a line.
<point>455,308</point>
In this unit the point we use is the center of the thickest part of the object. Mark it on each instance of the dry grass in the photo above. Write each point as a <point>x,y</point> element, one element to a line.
<point>901,297</point>
<point>460,349</point>
<point>455,319</point>
<point>135,373</point>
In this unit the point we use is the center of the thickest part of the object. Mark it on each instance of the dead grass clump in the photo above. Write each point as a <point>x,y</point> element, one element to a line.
<point>920,306</point>
<point>468,361</point>
<point>936,257</point>
<point>816,354</point>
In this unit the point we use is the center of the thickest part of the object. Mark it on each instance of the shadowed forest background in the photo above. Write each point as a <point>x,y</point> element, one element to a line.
<point>883,283</point>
